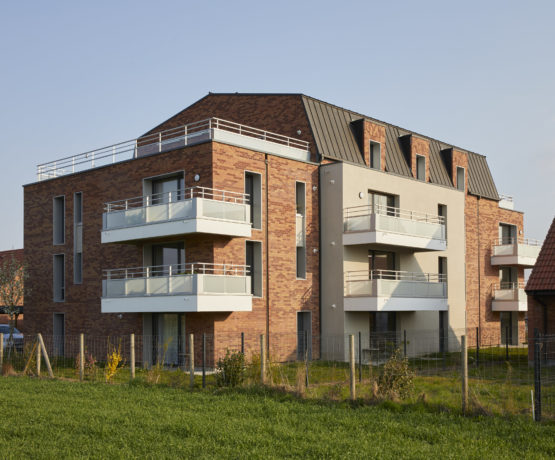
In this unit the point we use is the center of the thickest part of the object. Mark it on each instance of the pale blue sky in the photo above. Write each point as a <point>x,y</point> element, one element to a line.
<point>481,75</point>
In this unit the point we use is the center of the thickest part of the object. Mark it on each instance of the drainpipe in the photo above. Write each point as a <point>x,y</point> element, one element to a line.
<point>267,259</point>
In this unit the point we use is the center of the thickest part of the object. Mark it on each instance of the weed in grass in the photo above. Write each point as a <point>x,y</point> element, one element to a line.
<point>113,360</point>
<point>155,372</point>
<point>300,380</point>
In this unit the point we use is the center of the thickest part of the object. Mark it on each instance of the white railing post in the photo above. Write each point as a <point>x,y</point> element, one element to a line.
<point>159,142</point>
<point>185,134</point>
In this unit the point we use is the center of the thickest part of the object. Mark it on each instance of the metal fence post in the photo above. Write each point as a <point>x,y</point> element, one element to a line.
<point>38,357</point>
<point>81,356</point>
<point>306,358</point>
<point>1,351</point>
<point>192,360</point>
<point>477,347</point>
<point>132,355</point>
<point>464,372</point>
<point>352,366</point>
<point>537,377</point>
<point>203,360</point>
<point>507,343</point>
<point>405,343</point>
<point>243,342</point>
<point>263,358</point>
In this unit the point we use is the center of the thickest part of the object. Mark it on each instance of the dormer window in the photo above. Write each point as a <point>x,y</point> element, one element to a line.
<point>420,167</point>
<point>375,155</point>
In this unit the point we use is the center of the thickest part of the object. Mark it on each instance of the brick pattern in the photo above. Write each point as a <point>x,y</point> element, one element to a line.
<point>482,218</point>
<point>541,316</point>
<point>419,146</point>
<point>459,159</point>
<point>376,133</point>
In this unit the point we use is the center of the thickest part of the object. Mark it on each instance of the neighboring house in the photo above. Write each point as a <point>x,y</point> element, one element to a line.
<point>276,214</point>
<point>16,254</point>
<point>541,291</point>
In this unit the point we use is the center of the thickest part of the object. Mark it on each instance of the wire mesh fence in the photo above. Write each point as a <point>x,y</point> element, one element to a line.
<point>401,365</point>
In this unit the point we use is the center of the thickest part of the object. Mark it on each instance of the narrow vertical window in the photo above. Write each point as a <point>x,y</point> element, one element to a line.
<point>58,220</point>
<point>460,178</point>
<point>253,258</point>
<point>375,155</point>
<point>442,212</point>
<point>253,188</point>
<point>420,167</point>
<point>77,238</point>
<point>59,278</point>
<point>300,193</point>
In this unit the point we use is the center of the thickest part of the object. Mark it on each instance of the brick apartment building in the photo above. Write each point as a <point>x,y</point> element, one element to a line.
<point>276,214</point>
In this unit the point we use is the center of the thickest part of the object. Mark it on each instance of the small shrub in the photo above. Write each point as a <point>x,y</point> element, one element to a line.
<point>230,370</point>
<point>396,381</point>
<point>155,372</point>
<point>112,362</point>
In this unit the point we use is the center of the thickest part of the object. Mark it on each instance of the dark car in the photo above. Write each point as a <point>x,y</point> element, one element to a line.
<point>16,339</point>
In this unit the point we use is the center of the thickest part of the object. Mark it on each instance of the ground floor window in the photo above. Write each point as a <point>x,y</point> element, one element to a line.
<point>509,327</point>
<point>164,338</point>
<point>304,339</point>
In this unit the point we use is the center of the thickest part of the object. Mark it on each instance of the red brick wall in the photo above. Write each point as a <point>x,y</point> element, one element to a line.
<point>376,133</point>
<point>540,309</point>
<point>419,146</point>
<point>482,218</point>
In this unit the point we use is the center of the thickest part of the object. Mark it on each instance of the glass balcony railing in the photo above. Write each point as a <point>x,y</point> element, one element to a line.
<point>515,251</point>
<point>393,283</point>
<point>177,280</point>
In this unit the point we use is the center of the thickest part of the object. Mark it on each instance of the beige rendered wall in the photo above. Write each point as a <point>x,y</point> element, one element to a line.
<point>341,185</point>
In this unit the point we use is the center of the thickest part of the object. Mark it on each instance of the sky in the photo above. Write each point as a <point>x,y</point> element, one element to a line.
<point>480,75</point>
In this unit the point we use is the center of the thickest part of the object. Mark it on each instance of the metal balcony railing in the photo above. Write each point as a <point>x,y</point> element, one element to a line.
<point>394,283</point>
<point>159,142</point>
<point>161,207</point>
<point>511,246</point>
<point>395,220</point>
<point>177,279</point>
<point>511,291</point>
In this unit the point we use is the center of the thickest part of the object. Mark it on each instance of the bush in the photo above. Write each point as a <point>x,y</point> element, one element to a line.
<point>396,381</point>
<point>230,370</point>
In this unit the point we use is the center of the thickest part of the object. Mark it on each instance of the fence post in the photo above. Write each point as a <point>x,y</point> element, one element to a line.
<point>306,358</point>
<point>81,356</point>
<point>1,352</point>
<point>359,356</point>
<point>192,360</point>
<point>132,355</point>
<point>352,366</point>
<point>507,343</point>
<point>242,342</point>
<point>477,347</point>
<point>464,365</point>
<point>203,360</point>
<point>45,353</point>
<point>263,358</point>
<point>38,357</point>
<point>537,377</point>
<point>405,343</point>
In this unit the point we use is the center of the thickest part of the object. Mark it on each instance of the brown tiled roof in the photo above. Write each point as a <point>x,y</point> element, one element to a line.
<point>542,277</point>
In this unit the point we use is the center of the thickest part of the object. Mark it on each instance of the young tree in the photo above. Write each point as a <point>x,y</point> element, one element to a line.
<point>12,280</point>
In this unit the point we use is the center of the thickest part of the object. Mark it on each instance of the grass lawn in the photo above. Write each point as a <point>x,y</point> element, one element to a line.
<point>61,419</point>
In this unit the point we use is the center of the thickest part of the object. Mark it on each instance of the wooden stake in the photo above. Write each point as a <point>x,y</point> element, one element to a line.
<point>464,371</point>
<point>30,358</point>
<point>46,360</point>
<point>192,360</point>
<point>352,366</point>
<point>1,351</point>
<point>81,357</point>
<point>38,361</point>
<point>263,358</point>
<point>132,357</point>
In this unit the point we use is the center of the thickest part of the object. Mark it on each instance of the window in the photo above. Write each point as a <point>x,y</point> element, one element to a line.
<point>509,327</point>
<point>59,278</point>
<point>168,189</point>
<point>507,234</point>
<point>300,194</point>
<point>58,220</point>
<point>304,335</point>
<point>442,212</point>
<point>253,187</point>
<point>375,155</point>
<point>77,238</point>
<point>381,264</point>
<point>59,333</point>
<point>165,255</point>
<point>253,259</point>
<point>382,203</point>
<point>460,178</point>
<point>420,167</point>
<point>443,332</point>
<point>442,270</point>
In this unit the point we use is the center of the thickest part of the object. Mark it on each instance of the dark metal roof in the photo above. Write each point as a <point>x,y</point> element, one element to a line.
<point>335,139</point>
<point>331,127</point>
<point>480,181</point>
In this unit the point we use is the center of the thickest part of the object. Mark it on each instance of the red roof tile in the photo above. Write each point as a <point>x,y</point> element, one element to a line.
<point>542,277</point>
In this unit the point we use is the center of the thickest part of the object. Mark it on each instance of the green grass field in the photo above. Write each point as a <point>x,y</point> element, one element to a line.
<point>43,418</point>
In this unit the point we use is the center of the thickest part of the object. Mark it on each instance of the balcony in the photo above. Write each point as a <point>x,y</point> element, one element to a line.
<point>391,290</point>
<point>212,129</point>
<point>521,252</point>
<point>193,210</point>
<point>509,297</point>
<point>194,287</point>
<point>394,227</point>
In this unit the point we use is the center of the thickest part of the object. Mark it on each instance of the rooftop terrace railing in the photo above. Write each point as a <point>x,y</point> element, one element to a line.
<point>159,142</point>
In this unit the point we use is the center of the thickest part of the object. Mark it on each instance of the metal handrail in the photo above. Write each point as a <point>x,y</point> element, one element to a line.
<point>177,270</point>
<point>367,210</point>
<point>103,155</point>
<point>398,275</point>
<point>512,286</point>
<point>177,195</point>
<point>502,241</point>
<point>504,197</point>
